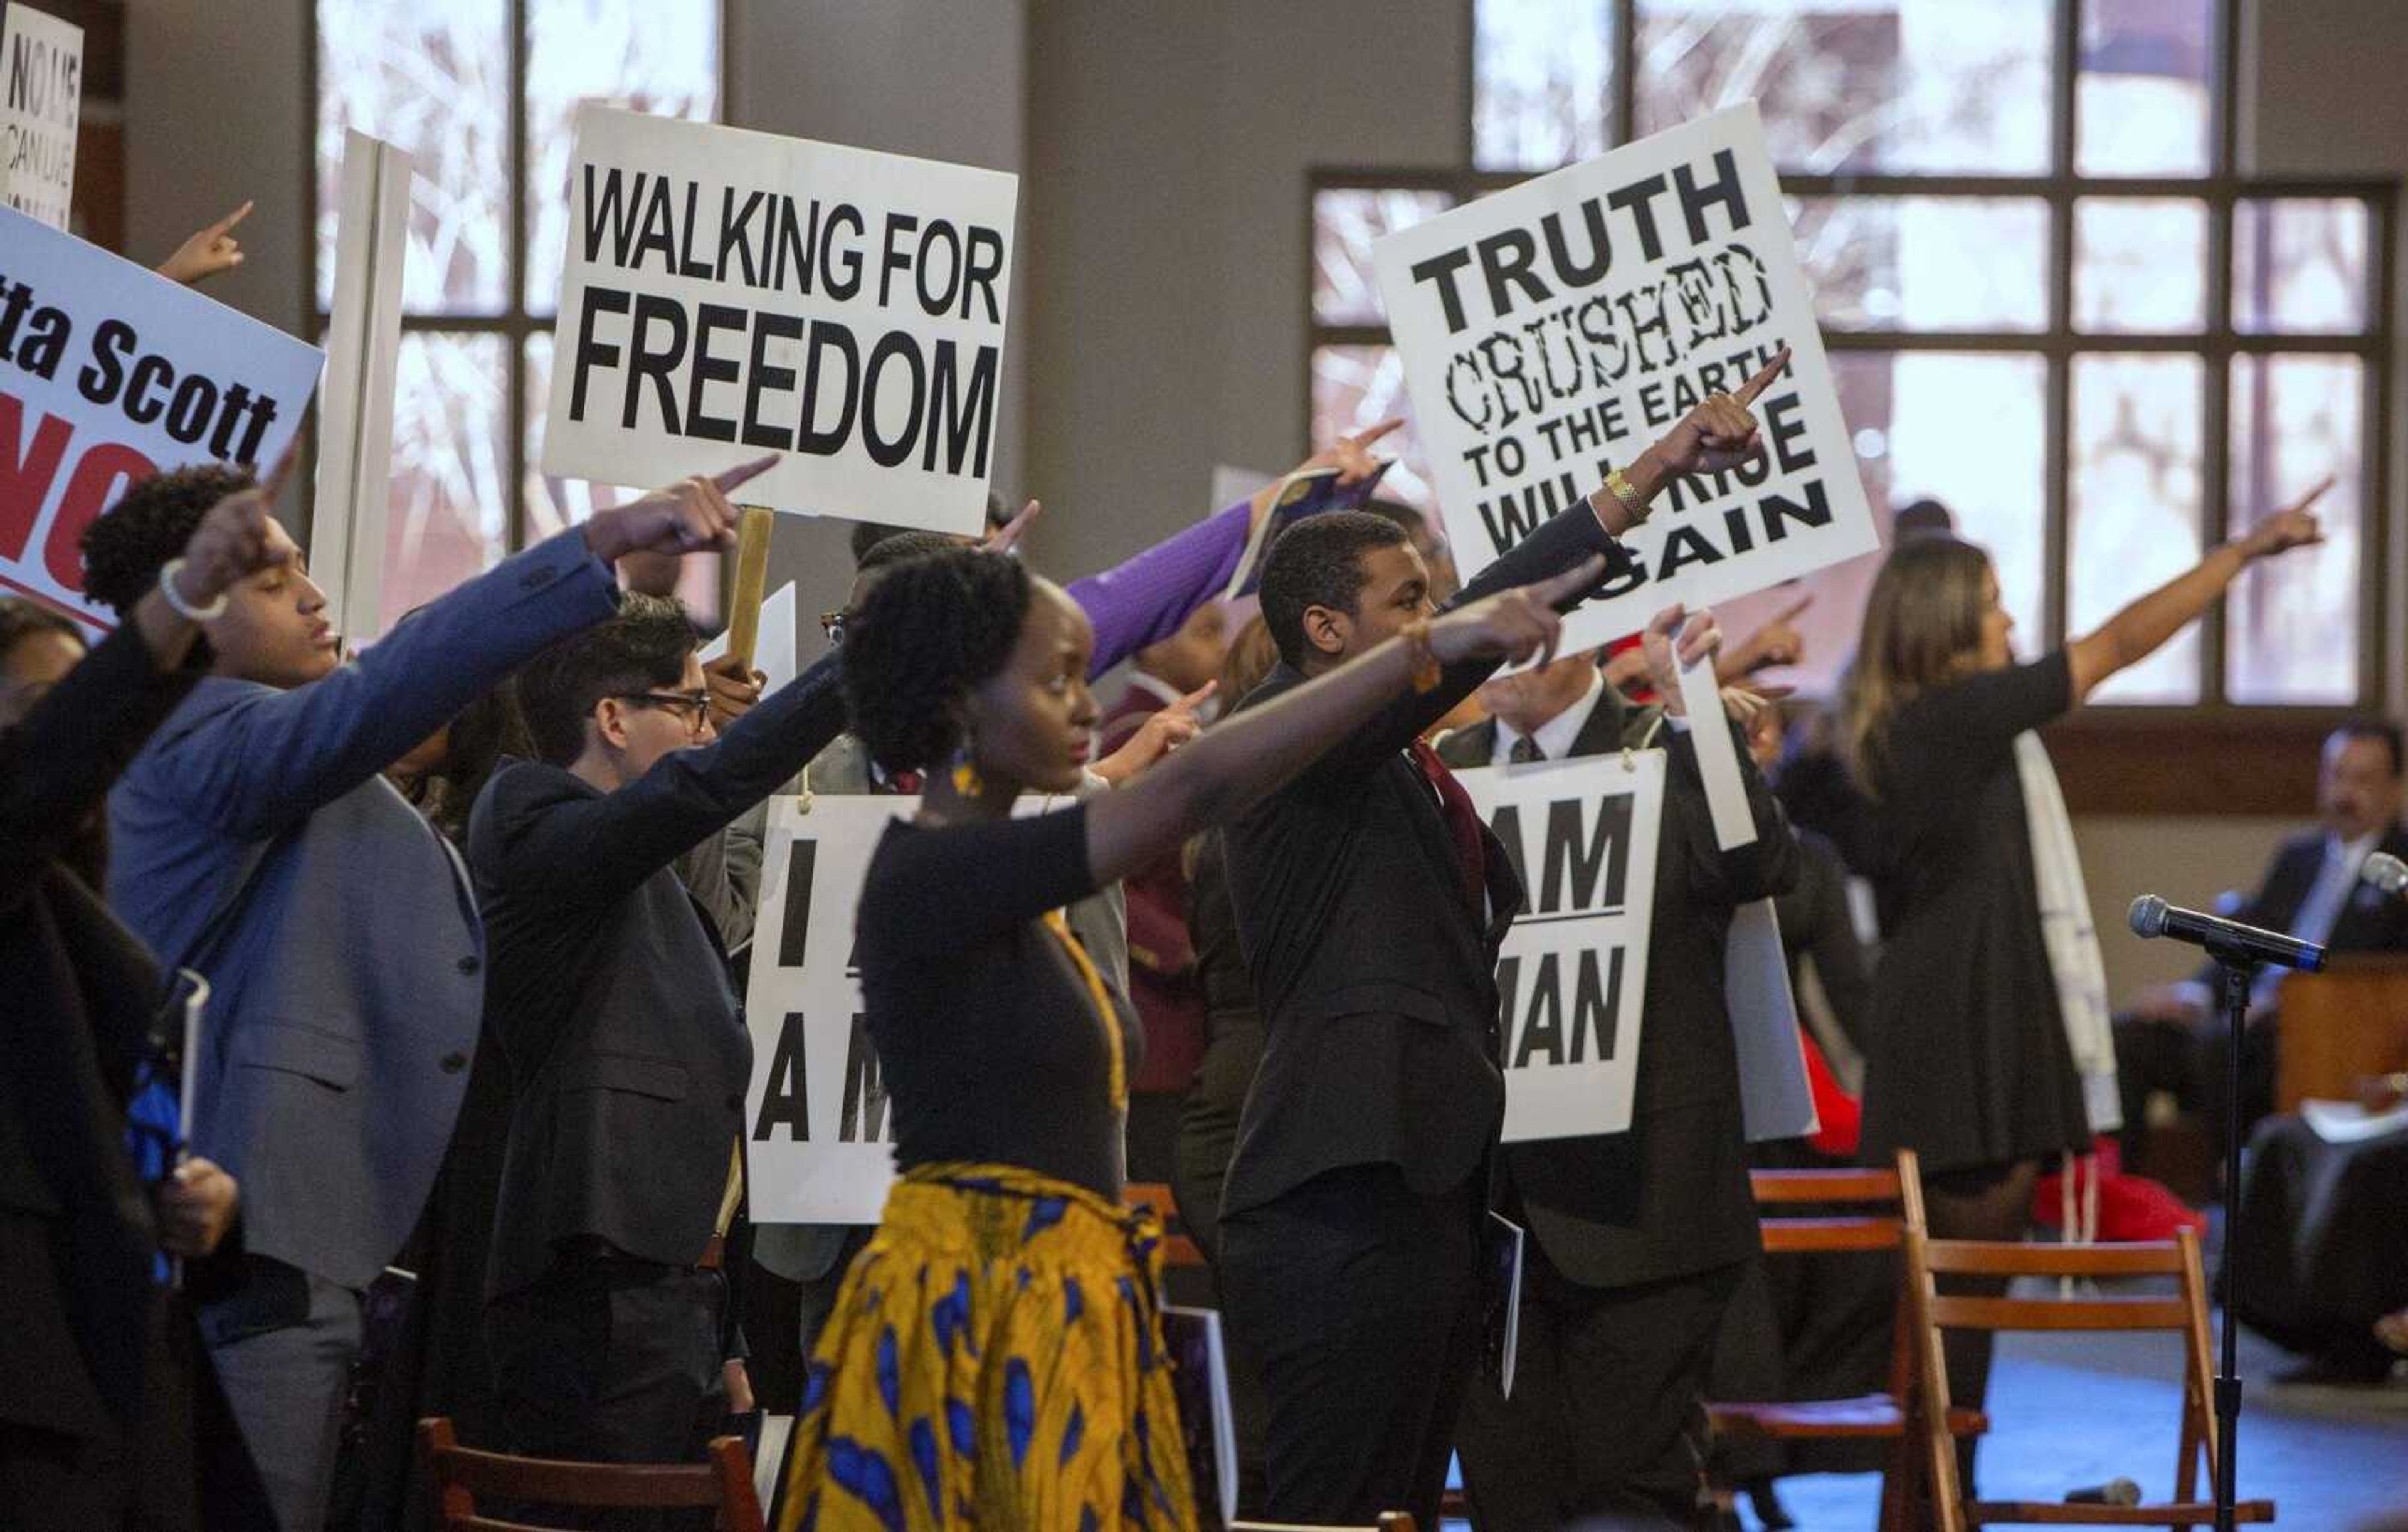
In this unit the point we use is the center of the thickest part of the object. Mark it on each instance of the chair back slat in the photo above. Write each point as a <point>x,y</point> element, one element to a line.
<point>1963,1313</point>
<point>1800,1235</point>
<point>459,1474</point>
<point>2005,1258</point>
<point>1778,1186</point>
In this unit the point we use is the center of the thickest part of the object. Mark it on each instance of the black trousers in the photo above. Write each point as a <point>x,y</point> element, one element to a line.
<point>611,1360</point>
<point>1608,1418</point>
<point>2193,1064</point>
<point>1356,1299</point>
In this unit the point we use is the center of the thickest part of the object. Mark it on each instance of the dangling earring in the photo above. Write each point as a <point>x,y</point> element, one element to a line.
<point>967,784</point>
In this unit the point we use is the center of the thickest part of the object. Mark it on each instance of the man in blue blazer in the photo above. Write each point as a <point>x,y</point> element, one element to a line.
<point>255,841</point>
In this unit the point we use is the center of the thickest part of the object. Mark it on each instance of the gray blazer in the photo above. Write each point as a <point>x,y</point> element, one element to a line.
<point>255,841</point>
<point>808,1252</point>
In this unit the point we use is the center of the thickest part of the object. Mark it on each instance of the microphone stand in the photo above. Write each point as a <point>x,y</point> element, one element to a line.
<point>2239,973</point>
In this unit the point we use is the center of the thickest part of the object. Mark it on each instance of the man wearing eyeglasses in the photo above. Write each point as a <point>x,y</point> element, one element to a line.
<point>609,1320</point>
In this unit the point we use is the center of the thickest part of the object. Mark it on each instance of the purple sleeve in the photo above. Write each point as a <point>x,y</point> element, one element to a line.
<point>1150,596</point>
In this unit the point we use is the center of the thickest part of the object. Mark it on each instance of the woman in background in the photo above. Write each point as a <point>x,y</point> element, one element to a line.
<point>1988,1044</point>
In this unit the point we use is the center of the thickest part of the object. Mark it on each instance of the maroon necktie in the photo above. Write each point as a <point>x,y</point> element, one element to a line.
<point>1462,824</point>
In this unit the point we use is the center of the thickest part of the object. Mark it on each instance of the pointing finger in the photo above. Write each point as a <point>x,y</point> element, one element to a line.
<point>744,473</point>
<point>1370,433</point>
<point>273,485</point>
<point>1762,380</point>
<point>1202,695</point>
<point>1572,582</point>
<point>1795,609</point>
<point>1665,622</point>
<point>2313,496</point>
<point>218,229</point>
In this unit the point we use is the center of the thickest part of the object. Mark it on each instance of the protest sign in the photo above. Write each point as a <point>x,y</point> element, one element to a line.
<point>1572,972</point>
<point>821,1143</point>
<point>348,513</point>
<point>1554,330</point>
<point>109,373</point>
<point>843,306</point>
<point>41,100</point>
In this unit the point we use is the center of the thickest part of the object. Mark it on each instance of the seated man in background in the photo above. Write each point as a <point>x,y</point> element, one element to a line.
<point>2173,1040</point>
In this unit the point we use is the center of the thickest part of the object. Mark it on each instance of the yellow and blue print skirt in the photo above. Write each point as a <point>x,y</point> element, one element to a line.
<point>994,1360</point>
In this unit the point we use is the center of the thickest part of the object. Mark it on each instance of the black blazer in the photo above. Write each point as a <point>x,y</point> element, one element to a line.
<point>2370,920</point>
<point>1376,983</point>
<point>1670,1195</point>
<point>609,991</point>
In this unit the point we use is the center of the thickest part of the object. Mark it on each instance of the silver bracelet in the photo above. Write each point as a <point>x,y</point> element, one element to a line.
<point>175,599</point>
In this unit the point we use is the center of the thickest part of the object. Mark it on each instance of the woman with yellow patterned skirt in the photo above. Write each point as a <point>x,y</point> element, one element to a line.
<point>995,1356</point>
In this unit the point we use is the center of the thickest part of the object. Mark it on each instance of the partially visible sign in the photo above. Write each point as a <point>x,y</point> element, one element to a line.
<point>41,100</point>
<point>351,506</point>
<point>108,374</point>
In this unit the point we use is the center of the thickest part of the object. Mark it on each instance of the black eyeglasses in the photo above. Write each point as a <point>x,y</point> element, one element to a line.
<point>695,706</point>
<point>832,623</point>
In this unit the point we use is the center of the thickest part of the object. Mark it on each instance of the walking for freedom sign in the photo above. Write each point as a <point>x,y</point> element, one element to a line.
<point>1554,330</point>
<point>821,1147</point>
<point>41,101</point>
<point>840,306</point>
<point>1571,976</point>
<point>109,373</point>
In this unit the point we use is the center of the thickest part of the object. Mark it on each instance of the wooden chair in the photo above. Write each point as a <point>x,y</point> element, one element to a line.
<point>460,1474</point>
<point>1179,1251</point>
<point>1390,1521</point>
<point>2341,1025</point>
<point>2183,1314</point>
<point>1890,1202</point>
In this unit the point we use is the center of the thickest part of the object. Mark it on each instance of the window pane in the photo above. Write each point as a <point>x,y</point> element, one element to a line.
<point>1541,82</point>
<point>1345,220</point>
<point>660,57</point>
<point>1933,85</point>
<point>448,514</point>
<point>2292,634</point>
<point>2134,505</point>
<point>1965,429</point>
<point>1355,386</point>
<point>553,504</point>
<point>2140,263</point>
<point>2145,103</point>
<point>432,77</point>
<point>1926,262</point>
<point>2299,266</point>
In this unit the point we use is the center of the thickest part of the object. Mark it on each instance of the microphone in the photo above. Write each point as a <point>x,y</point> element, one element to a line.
<point>2386,872</point>
<point>2116,1492</point>
<point>2228,940</point>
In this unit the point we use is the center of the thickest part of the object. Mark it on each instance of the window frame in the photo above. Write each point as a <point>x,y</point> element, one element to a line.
<point>517,324</point>
<point>2216,343</point>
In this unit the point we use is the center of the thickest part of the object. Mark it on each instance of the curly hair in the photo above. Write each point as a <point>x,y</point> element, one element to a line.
<point>128,544</point>
<point>931,630</point>
<point>643,647</point>
<point>1319,562</point>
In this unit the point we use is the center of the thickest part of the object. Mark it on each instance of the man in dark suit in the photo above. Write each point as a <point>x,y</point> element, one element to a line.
<point>2174,1040</point>
<point>1369,901</point>
<point>608,1318</point>
<point>1640,1238</point>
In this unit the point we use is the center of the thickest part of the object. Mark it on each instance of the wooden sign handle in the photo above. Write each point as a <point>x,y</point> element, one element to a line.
<point>751,576</point>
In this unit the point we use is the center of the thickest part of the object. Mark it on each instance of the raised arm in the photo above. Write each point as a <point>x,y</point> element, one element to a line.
<point>1238,762</point>
<point>594,851</point>
<point>272,758</point>
<point>2133,634</point>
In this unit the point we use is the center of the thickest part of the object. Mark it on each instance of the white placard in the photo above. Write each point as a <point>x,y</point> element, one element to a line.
<point>41,100</point>
<point>109,373</point>
<point>1571,976</point>
<point>347,520</point>
<point>821,1146</point>
<point>773,644</point>
<point>1553,330</point>
<point>1776,1099</point>
<point>730,294</point>
<point>1231,485</point>
<point>1701,697</point>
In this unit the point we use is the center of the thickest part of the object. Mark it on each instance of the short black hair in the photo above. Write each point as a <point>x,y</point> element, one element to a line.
<point>868,534</point>
<point>644,646</point>
<point>1413,521</point>
<point>1918,517</point>
<point>905,544</point>
<point>931,630</point>
<point>128,544</point>
<point>2381,729</point>
<point>22,617</point>
<point>1319,562</point>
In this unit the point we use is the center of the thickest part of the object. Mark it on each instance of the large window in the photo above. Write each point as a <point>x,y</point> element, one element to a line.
<point>481,93</point>
<point>2052,304</point>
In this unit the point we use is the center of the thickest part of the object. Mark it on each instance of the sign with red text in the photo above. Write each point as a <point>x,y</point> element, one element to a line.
<point>729,293</point>
<point>41,101</point>
<point>108,374</point>
<point>1553,331</point>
